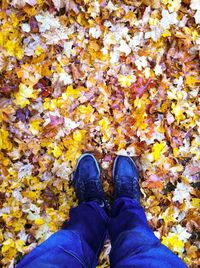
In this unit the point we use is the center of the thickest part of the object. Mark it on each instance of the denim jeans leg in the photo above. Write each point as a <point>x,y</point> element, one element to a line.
<point>133,242</point>
<point>77,244</point>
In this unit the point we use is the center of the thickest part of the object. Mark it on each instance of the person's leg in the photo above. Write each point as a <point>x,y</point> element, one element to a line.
<point>133,242</point>
<point>78,244</point>
<point>80,241</point>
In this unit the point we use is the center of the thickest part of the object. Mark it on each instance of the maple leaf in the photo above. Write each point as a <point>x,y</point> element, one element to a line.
<point>23,114</point>
<point>103,76</point>
<point>21,3</point>
<point>173,242</point>
<point>126,80</point>
<point>4,139</point>
<point>71,92</point>
<point>23,95</point>
<point>158,149</point>
<point>68,4</point>
<point>141,86</point>
<point>59,3</point>
<point>57,152</point>
<point>78,135</point>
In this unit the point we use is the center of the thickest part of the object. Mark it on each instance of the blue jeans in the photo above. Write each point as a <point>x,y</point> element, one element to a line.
<point>81,240</point>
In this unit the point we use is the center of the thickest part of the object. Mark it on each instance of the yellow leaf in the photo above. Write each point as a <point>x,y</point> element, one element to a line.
<point>191,80</point>
<point>39,50</point>
<point>10,47</point>
<point>177,110</point>
<point>4,140</point>
<point>14,19</point>
<point>167,216</point>
<point>85,109</point>
<point>70,92</point>
<point>57,152</point>
<point>140,113</point>
<point>32,195</point>
<point>9,243</point>
<point>51,104</point>
<point>19,53</point>
<point>153,21</point>
<point>20,245</point>
<point>195,35</point>
<point>17,213</point>
<point>173,242</point>
<point>22,96</point>
<point>35,127</point>
<point>31,11</point>
<point>175,152</point>
<point>195,202</point>
<point>126,80</point>
<point>6,162</point>
<point>4,4</point>
<point>39,221</point>
<point>103,123</point>
<point>121,145</point>
<point>78,135</point>
<point>166,33</point>
<point>165,2</point>
<point>157,149</point>
<point>141,103</point>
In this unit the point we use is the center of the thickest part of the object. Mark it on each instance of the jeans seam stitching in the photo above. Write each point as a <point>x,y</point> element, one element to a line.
<point>73,255</point>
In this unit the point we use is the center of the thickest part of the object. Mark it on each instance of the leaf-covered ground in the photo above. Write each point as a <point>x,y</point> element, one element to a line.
<point>109,77</point>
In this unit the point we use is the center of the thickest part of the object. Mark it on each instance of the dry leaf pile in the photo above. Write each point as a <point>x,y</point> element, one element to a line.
<point>110,77</point>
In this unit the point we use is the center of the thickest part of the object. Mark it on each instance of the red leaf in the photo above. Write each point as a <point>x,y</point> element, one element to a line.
<point>34,25</point>
<point>44,84</point>
<point>141,86</point>
<point>153,184</point>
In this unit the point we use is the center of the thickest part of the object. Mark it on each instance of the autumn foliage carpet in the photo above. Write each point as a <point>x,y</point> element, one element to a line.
<point>109,77</point>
